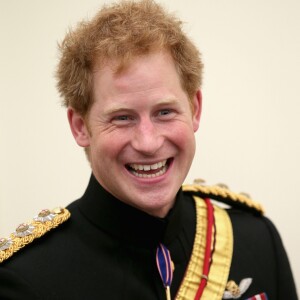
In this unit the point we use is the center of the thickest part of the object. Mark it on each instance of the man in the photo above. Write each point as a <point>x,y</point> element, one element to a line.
<point>130,79</point>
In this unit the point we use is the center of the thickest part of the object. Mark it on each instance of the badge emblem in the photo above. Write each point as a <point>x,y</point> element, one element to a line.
<point>234,291</point>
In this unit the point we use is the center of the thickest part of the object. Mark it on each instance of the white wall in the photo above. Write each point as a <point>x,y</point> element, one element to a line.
<point>249,136</point>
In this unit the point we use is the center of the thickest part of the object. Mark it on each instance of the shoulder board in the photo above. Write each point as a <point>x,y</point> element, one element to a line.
<point>222,194</point>
<point>27,232</point>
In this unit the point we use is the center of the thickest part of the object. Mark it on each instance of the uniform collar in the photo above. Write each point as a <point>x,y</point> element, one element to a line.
<point>126,222</point>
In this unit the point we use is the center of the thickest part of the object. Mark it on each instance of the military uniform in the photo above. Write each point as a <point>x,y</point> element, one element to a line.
<point>107,250</point>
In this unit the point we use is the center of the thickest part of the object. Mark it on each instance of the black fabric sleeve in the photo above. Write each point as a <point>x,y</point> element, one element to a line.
<point>14,288</point>
<point>286,288</point>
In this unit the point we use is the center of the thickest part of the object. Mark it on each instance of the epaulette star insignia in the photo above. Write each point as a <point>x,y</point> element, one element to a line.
<point>221,193</point>
<point>27,232</point>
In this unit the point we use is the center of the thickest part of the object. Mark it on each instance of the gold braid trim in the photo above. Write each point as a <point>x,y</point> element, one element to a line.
<point>223,194</point>
<point>220,260</point>
<point>36,229</point>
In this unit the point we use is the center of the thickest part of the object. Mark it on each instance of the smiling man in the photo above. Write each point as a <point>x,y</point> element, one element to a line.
<point>140,130</point>
<point>130,79</point>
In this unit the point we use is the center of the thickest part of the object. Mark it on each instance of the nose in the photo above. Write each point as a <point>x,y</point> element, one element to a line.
<point>148,138</point>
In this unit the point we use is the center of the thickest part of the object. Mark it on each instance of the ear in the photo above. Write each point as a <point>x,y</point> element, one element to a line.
<point>197,108</point>
<point>79,128</point>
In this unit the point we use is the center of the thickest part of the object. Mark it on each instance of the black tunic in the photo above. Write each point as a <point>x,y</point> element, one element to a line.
<point>107,251</point>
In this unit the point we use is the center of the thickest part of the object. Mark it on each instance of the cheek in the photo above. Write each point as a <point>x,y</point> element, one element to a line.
<point>186,143</point>
<point>182,135</point>
<point>108,146</point>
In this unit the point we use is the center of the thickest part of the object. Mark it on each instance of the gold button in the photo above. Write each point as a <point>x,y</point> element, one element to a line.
<point>22,228</point>
<point>199,181</point>
<point>3,241</point>
<point>44,213</point>
<point>57,210</point>
<point>223,186</point>
<point>246,195</point>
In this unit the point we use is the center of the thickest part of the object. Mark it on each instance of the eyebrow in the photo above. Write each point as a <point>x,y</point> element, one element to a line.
<point>119,108</point>
<point>169,101</point>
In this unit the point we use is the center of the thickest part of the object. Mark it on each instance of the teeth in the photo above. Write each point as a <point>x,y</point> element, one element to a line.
<point>148,167</point>
<point>154,167</point>
<point>161,172</point>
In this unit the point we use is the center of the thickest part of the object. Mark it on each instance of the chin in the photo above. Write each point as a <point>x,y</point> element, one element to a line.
<point>160,209</point>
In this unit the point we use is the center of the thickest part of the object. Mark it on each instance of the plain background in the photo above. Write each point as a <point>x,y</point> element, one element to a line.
<point>249,135</point>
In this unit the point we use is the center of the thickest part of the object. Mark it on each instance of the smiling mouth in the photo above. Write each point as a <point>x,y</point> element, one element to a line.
<point>149,171</point>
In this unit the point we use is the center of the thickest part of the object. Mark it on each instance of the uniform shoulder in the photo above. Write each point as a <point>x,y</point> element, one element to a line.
<point>27,232</point>
<point>221,193</point>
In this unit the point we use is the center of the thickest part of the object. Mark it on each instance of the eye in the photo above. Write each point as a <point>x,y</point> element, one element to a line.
<point>166,114</point>
<point>122,120</point>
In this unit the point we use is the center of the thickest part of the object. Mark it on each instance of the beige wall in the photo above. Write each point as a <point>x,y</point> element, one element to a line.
<point>249,136</point>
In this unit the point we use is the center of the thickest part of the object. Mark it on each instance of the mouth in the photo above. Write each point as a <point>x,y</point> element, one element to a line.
<point>149,170</point>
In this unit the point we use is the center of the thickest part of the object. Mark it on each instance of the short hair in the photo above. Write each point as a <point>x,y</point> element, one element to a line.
<point>121,32</point>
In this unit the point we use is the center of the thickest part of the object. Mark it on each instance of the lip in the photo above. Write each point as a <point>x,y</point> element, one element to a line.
<point>152,180</point>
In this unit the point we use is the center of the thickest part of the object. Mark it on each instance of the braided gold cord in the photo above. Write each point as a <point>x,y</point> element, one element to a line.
<point>225,193</point>
<point>40,228</point>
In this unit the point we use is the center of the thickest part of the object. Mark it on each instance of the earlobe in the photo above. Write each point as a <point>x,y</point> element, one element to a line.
<point>78,127</point>
<point>197,103</point>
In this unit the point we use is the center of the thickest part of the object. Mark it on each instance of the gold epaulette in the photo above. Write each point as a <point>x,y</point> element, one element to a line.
<point>26,233</point>
<point>221,193</point>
